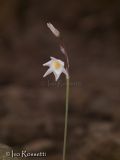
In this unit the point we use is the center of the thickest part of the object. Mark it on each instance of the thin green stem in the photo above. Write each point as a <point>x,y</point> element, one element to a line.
<point>66,118</point>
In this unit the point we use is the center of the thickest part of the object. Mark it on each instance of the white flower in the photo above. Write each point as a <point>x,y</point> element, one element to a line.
<point>53,29</point>
<point>56,66</point>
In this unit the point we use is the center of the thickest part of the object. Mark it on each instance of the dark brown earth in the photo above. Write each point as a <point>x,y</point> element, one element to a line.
<point>32,108</point>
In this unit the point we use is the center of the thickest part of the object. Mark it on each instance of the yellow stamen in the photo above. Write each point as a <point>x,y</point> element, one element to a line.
<point>56,64</point>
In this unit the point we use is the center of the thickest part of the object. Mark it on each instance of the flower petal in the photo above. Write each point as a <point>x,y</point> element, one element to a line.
<point>62,63</point>
<point>48,72</point>
<point>47,63</point>
<point>52,58</point>
<point>56,76</point>
<point>66,73</point>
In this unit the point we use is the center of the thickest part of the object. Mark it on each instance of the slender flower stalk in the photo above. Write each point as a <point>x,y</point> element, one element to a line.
<point>66,119</point>
<point>56,66</point>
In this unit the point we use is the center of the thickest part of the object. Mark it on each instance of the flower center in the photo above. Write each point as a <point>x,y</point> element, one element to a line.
<point>56,65</point>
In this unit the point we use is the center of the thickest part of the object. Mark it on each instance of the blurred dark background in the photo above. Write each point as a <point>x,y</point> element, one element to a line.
<point>32,108</point>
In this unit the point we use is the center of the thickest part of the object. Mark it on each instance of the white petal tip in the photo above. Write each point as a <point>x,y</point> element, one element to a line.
<point>56,79</point>
<point>44,76</point>
<point>52,58</point>
<point>47,73</point>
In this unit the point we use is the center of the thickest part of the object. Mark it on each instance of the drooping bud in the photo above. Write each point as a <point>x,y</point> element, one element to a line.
<point>53,29</point>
